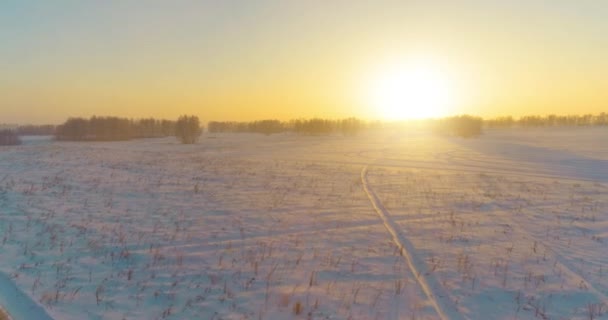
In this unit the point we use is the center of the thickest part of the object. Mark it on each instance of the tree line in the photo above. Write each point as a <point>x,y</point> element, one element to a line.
<point>549,121</point>
<point>315,126</point>
<point>188,128</point>
<point>36,130</point>
<point>9,137</point>
<point>113,129</point>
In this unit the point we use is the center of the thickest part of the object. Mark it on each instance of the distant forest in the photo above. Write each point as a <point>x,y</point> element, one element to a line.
<point>316,126</point>
<point>9,138</point>
<point>113,129</point>
<point>549,121</point>
<point>188,128</point>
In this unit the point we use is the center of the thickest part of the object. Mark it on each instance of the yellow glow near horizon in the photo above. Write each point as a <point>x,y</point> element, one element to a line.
<point>301,59</point>
<point>414,90</point>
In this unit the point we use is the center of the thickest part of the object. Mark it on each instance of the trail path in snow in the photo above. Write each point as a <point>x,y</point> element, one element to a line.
<point>429,285</point>
<point>467,160</point>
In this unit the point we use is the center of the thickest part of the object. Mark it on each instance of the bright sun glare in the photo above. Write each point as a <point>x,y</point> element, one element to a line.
<point>414,90</point>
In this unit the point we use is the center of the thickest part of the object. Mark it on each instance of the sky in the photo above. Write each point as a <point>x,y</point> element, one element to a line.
<point>246,60</point>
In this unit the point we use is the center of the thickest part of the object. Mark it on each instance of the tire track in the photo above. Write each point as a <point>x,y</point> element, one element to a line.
<point>429,285</point>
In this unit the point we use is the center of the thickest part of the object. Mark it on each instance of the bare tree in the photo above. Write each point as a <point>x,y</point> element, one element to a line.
<point>188,129</point>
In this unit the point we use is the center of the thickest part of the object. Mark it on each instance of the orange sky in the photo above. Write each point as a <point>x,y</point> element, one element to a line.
<point>283,59</point>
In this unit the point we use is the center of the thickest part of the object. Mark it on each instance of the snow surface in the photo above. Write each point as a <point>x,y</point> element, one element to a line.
<point>384,225</point>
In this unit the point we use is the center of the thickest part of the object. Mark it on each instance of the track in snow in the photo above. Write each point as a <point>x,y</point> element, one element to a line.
<point>18,303</point>
<point>429,285</point>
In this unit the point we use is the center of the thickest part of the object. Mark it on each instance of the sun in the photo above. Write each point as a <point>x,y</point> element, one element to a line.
<point>412,90</point>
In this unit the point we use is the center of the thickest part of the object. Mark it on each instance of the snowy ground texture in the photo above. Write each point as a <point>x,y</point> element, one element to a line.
<point>385,225</point>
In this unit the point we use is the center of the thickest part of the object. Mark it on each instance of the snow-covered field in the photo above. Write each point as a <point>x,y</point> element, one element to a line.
<point>384,225</point>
